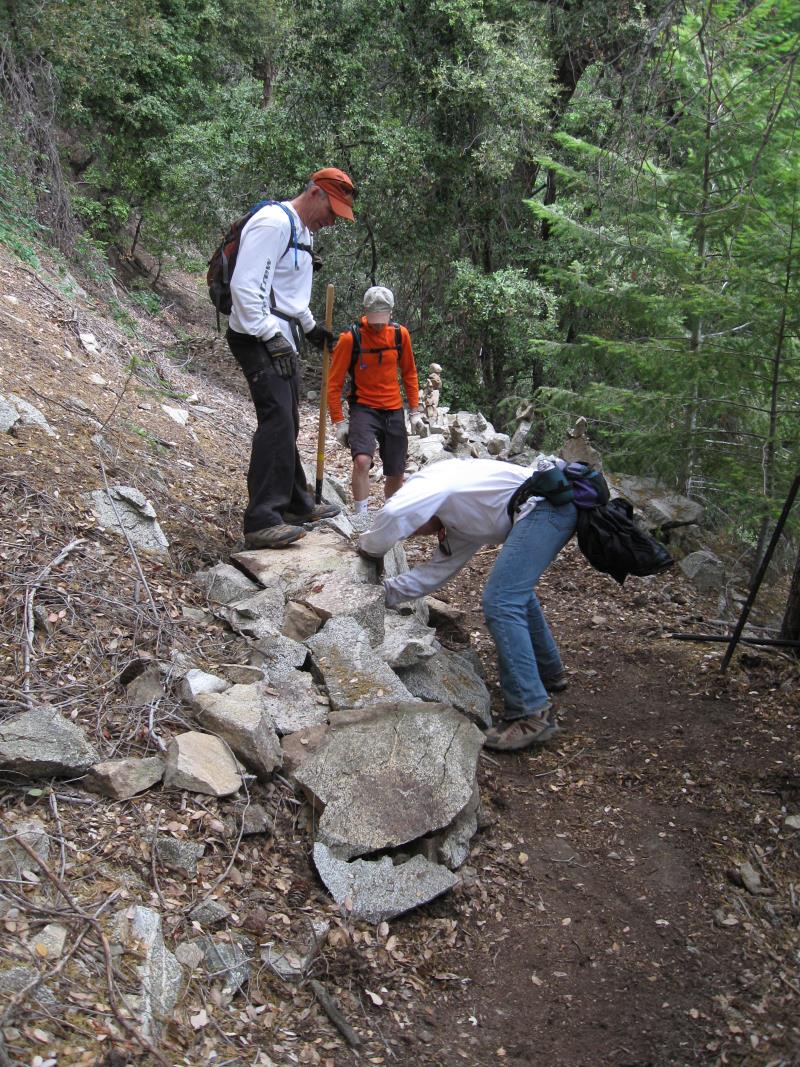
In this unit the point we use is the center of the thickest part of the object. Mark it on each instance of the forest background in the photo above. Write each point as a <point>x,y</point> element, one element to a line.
<point>593,204</point>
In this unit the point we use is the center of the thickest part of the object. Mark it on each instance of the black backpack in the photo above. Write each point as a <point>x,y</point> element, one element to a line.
<point>607,535</point>
<point>355,331</point>
<point>223,260</point>
<point>613,543</point>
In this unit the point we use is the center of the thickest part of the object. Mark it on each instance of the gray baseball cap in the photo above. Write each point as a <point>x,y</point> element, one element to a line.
<point>378,298</point>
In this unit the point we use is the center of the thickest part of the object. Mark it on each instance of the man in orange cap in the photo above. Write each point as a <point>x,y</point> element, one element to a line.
<point>270,294</point>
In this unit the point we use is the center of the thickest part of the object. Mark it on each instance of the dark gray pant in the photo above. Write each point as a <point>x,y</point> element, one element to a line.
<point>275,479</point>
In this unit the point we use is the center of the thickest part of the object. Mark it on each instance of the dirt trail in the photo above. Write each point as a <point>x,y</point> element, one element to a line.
<point>604,927</point>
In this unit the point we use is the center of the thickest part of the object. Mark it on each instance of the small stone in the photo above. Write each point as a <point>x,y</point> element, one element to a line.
<point>49,942</point>
<point>189,954</point>
<point>196,682</point>
<point>210,912</point>
<point>180,855</point>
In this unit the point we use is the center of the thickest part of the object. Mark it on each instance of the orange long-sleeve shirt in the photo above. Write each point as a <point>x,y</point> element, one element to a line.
<point>375,373</point>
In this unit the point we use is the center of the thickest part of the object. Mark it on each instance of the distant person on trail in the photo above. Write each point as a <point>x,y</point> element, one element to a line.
<point>270,293</point>
<point>372,352</point>
<point>465,504</point>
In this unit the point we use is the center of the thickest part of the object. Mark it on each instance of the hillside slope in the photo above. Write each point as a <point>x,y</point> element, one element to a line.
<point>603,917</point>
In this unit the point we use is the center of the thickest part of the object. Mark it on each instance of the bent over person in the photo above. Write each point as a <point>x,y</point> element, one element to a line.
<point>270,294</point>
<point>373,352</point>
<point>465,504</point>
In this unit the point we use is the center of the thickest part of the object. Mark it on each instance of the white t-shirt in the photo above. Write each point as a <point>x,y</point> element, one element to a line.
<point>469,496</point>
<point>264,265</point>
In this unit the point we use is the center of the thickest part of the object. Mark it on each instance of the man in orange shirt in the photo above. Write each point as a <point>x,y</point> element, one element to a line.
<point>371,352</point>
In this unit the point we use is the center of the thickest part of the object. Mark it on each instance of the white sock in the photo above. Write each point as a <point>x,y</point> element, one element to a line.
<point>360,506</point>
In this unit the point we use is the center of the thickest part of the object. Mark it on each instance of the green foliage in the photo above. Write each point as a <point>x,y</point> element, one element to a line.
<point>679,236</point>
<point>590,202</point>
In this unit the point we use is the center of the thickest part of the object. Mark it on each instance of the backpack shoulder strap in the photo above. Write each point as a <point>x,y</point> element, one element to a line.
<point>293,237</point>
<point>355,333</point>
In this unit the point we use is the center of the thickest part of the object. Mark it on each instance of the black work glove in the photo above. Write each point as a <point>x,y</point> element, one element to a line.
<point>282,355</point>
<point>318,335</point>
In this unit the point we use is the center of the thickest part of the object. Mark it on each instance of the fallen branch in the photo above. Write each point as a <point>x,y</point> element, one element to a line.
<point>329,1006</point>
<point>27,615</point>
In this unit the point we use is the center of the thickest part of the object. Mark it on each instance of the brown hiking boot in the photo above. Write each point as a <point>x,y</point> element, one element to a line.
<point>274,536</point>
<point>319,511</point>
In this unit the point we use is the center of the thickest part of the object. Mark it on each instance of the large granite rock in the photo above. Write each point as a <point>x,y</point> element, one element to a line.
<point>378,890</point>
<point>241,717</point>
<point>43,744</point>
<point>340,594</point>
<point>27,414</point>
<point>449,678</point>
<point>299,747</point>
<point>322,551</point>
<point>661,506</point>
<point>406,640</point>
<point>224,584</point>
<point>277,654</point>
<point>390,774</point>
<point>257,615</point>
<point>293,703</point>
<point>354,675</point>
<point>705,570</point>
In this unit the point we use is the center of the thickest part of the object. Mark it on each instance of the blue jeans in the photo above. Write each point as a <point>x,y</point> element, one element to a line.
<point>526,650</point>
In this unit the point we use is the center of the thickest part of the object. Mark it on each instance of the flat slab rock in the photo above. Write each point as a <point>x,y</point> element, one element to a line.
<point>320,552</point>
<point>378,890</point>
<point>389,774</point>
<point>340,594</point>
<point>293,703</point>
<point>42,743</point>
<point>355,675</point>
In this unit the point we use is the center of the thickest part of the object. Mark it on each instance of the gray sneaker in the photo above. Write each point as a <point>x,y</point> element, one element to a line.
<point>360,521</point>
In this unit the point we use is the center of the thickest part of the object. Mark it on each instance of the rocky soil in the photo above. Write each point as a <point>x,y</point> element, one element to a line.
<point>631,898</point>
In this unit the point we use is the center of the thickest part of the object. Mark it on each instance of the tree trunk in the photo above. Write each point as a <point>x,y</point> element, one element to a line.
<point>790,629</point>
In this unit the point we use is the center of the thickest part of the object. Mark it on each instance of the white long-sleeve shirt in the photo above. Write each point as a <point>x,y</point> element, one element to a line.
<point>264,264</point>
<point>469,496</point>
